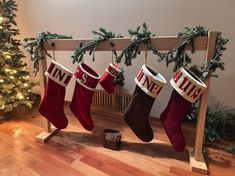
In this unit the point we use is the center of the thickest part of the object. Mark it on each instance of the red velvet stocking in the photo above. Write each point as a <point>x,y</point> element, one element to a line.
<point>108,77</point>
<point>52,105</point>
<point>86,81</point>
<point>187,89</point>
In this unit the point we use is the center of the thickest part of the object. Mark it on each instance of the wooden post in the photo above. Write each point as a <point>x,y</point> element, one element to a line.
<point>49,132</point>
<point>197,162</point>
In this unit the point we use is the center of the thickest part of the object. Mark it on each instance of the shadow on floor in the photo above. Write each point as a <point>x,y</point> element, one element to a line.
<point>219,159</point>
<point>155,150</point>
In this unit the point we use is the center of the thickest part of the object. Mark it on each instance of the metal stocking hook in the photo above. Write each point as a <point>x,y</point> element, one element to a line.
<point>81,45</point>
<point>53,50</point>
<point>112,49</point>
<point>146,56</point>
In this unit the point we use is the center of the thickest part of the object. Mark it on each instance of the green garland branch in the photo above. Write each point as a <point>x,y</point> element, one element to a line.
<point>32,45</point>
<point>91,46</point>
<point>131,50</point>
<point>101,35</point>
<point>177,55</point>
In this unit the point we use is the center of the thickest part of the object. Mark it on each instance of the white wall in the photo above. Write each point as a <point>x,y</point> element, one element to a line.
<point>164,17</point>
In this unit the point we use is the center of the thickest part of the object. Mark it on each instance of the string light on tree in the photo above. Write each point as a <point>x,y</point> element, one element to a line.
<point>8,56</point>
<point>26,84</point>
<point>12,67</point>
<point>1,19</point>
<point>7,70</point>
<point>25,77</point>
<point>20,96</point>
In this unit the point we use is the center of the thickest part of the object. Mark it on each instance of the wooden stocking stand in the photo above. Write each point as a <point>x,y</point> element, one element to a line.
<point>207,44</point>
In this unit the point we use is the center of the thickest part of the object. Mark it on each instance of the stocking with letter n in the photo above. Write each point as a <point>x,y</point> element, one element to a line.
<point>108,77</point>
<point>86,82</point>
<point>52,105</point>
<point>187,88</point>
<point>149,84</point>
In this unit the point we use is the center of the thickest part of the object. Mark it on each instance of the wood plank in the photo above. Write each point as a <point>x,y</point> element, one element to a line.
<point>12,164</point>
<point>86,169</point>
<point>75,147</point>
<point>161,43</point>
<point>38,161</point>
<point>26,143</point>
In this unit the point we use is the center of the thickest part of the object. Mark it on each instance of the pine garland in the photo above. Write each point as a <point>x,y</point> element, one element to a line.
<point>32,45</point>
<point>141,34</point>
<point>91,46</point>
<point>131,50</point>
<point>177,55</point>
<point>210,67</point>
<point>101,35</point>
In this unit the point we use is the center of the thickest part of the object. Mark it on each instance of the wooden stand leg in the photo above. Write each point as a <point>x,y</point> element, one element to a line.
<point>197,162</point>
<point>197,165</point>
<point>43,137</point>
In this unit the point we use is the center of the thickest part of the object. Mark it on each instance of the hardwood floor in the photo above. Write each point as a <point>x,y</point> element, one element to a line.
<point>76,152</point>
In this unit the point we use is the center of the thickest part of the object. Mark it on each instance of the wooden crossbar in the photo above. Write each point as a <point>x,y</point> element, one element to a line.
<point>161,43</point>
<point>206,43</point>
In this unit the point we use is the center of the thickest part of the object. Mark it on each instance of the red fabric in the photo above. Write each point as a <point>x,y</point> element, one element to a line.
<point>172,118</point>
<point>107,79</point>
<point>52,105</point>
<point>106,82</point>
<point>80,106</point>
<point>82,97</point>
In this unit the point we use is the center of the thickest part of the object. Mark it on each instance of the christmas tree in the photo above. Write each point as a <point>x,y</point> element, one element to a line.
<point>15,86</point>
